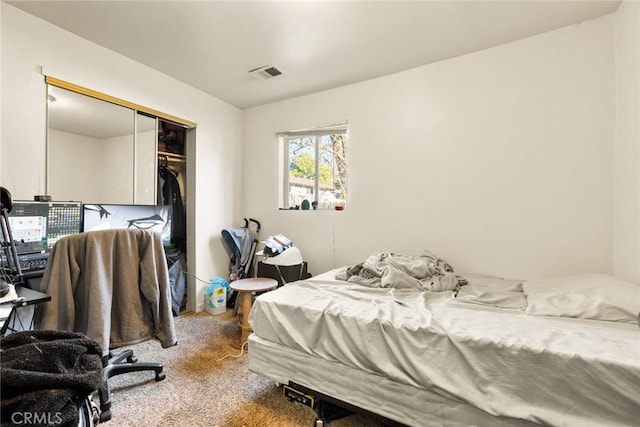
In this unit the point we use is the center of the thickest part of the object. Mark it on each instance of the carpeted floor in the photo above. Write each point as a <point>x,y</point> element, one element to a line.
<point>205,388</point>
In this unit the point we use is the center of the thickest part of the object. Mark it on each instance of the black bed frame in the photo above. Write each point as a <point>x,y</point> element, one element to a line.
<point>328,408</point>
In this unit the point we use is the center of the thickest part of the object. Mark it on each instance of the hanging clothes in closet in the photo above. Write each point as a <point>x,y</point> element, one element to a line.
<point>169,194</point>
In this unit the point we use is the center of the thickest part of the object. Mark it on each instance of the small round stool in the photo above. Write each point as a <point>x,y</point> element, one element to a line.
<point>246,287</point>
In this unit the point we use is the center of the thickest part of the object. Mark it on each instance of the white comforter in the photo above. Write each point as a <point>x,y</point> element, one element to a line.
<point>557,371</point>
<point>389,270</point>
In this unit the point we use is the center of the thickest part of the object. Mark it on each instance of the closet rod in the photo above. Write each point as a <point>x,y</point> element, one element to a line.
<point>172,157</point>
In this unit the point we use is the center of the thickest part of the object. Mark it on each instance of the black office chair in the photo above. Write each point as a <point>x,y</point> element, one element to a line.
<point>113,286</point>
<point>115,364</point>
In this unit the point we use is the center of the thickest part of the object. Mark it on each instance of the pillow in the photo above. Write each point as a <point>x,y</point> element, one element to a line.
<point>587,296</point>
<point>492,291</point>
<point>492,282</point>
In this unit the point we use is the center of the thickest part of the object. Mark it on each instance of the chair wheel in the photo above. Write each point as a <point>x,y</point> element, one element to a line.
<point>160,376</point>
<point>105,415</point>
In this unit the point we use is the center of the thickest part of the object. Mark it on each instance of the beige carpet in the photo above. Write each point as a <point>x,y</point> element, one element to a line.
<point>203,389</point>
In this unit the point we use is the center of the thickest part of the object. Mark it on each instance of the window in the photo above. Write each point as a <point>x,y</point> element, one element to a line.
<point>314,172</point>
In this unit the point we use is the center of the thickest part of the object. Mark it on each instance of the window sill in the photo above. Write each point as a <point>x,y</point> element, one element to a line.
<point>312,210</point>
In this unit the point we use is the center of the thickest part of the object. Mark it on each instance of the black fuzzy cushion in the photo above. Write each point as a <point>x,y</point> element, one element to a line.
<point>47,374</point>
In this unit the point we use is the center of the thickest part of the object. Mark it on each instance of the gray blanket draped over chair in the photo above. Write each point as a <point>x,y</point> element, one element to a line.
<point>111,285</point>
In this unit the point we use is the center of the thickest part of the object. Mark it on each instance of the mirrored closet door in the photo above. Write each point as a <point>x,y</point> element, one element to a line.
<point>101,149</point>
<point>91,149</point>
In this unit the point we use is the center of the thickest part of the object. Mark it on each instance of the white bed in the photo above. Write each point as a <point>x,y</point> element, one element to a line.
<point>490,356</point>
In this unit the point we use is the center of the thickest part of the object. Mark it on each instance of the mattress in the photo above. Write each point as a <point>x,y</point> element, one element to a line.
<point>501,361</point>
<point>377,394</point>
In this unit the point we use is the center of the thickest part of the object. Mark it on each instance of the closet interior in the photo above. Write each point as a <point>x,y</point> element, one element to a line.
<point>171,191</point>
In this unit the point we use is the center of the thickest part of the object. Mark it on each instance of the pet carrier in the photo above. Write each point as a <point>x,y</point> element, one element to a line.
<point>241,243</point>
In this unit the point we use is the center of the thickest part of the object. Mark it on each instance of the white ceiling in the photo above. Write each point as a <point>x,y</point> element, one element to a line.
<point>317,45</point>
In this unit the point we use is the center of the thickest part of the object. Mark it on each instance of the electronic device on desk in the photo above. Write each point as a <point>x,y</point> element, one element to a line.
<point>146,217</point>
<point>10,296</point>
<point>36,227</point>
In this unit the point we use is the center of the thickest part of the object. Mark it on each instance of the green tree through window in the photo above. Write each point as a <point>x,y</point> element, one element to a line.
<point>316,168</point>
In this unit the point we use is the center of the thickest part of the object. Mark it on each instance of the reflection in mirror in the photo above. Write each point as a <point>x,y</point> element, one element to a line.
<point>90,149</point>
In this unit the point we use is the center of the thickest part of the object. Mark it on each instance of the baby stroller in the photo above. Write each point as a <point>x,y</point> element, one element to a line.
<point>242,244</point>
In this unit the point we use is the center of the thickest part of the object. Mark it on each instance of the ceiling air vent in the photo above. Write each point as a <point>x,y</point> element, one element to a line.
<point>265,72</point>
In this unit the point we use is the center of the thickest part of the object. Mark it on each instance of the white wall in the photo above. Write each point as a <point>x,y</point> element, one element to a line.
<point>29,44</point>
<point>500,161</point>
<point>626,230</point>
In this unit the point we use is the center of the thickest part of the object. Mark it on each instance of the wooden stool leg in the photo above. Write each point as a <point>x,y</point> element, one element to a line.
<point>246,309</point>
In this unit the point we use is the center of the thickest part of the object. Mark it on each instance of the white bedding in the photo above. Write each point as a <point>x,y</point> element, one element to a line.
<point>402,403</point>
<point>548,370</point>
